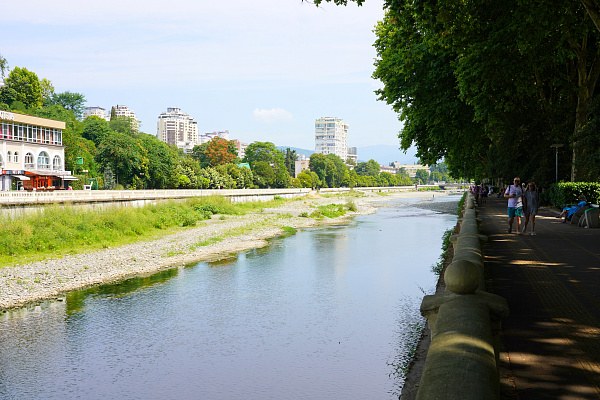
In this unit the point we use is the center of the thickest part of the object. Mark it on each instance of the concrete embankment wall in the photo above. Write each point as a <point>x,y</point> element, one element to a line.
<point>15,203</point>
<point>18,202</point>
<point>462,361</point>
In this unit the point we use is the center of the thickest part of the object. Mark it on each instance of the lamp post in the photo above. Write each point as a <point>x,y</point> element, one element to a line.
<point>557,146</point>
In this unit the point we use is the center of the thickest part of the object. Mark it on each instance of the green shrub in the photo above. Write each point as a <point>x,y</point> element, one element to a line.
<point>351,206</point>
<point>563,193</point>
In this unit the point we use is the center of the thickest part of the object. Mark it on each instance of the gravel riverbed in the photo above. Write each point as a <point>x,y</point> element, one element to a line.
<point>51,278</point>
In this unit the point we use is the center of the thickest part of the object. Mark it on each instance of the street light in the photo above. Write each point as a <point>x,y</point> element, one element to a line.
<point>558,145</point>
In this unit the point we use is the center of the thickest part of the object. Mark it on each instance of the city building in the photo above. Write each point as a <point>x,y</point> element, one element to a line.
<point>177,128</point>
<point>300,164</point>
<point>352,155</point>
<point>241,148</point>
<point>411,170</point>
<point>207,137</point>
<point>32,156</point>
<point>124,111</point>
<point>331,137</point>
<point>386,168</point>
<point>97,111</point>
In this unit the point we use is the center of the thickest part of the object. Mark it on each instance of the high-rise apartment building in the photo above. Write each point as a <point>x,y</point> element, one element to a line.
<point>353,154</point>
<point>331,137</point>
<point>177,128</point>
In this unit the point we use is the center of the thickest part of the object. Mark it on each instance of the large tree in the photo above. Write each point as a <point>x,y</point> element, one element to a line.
<point>70,101</point>
<point>478,82</point>
<point>220,151</point>
<point>27,87</point>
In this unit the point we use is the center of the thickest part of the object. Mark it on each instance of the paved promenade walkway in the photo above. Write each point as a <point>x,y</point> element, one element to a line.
<point>551,340</point>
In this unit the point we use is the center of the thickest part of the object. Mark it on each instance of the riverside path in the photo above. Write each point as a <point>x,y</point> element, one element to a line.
<point>551,281</point>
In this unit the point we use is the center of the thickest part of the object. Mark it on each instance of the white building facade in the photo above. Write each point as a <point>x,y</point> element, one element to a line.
<point>96,111</point>
<point>177,128</point>
<point>331,137</point>
<point>124,111</point>
<point>32,156</point>
<point>207,137</point>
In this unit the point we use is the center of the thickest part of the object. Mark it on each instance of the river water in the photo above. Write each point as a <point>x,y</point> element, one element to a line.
<point>322,314</point>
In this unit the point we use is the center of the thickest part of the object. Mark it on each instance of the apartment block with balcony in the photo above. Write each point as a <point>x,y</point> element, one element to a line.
<point>32,156</point>
<point>331,135</point>
<point>178,128</point>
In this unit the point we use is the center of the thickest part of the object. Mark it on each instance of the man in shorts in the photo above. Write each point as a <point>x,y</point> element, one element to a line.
<point>514,193</point>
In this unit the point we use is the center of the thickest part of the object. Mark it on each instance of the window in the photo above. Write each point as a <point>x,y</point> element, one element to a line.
<point>19,132</point>
<point>9,157</point>
<point>29,161</point>
<point>16,159</point>
<point>43,160</point>
<point>1,161</point>
<point>56,165</point>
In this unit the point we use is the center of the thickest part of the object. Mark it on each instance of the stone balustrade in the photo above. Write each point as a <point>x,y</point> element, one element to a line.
<point>462,361</point>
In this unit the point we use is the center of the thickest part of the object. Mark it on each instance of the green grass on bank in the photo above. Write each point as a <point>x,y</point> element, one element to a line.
<point>54,231</point>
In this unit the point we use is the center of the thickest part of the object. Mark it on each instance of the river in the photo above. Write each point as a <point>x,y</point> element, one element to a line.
<point>322,314</point>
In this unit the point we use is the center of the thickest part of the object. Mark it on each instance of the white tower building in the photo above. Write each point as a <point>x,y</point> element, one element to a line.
<point>331,137</point>
<point>124,111</point>
<point>177,128</point>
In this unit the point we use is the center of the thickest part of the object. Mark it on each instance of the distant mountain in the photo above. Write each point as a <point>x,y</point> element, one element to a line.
<point>386,154</point>
<point>383,154</point>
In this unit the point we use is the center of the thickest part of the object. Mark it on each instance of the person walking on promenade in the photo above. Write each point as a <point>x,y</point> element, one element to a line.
<point>476,191</point>
<point>532,200</point>
<point>514,193</point>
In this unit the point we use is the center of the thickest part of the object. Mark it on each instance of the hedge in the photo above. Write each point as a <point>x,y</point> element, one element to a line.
<point>561,194</point>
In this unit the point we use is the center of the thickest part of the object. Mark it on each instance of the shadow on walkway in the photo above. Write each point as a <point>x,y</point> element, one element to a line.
<point>551,340</point>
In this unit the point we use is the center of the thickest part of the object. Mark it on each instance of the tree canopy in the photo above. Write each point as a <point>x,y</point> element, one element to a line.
<point>489,86</point>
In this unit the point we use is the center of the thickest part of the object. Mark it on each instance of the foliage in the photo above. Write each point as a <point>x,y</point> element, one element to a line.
<point>220,151</point>
<point>109,178</point>
<point>59,230</point>
<point>439,267</point>
<point>217,151</point>
<point>264,176</point>
<point>122,124</point>
<point>487,87</point>
<point>69,101</point>
<point>3,66</point>
<point>27,87</point>
<point>563,193</point>
<point>290,161</point>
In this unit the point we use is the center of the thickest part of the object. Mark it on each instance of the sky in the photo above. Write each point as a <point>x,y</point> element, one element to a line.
<point>263,69</point>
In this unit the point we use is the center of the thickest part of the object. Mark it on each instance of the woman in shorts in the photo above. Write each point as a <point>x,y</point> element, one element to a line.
<point>532,200</point>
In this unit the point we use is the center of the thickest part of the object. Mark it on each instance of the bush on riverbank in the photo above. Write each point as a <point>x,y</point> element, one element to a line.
<point>57,230</point>
<point>563,193</point>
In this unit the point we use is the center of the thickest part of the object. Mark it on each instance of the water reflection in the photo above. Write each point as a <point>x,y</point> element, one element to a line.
<point>313,316</point>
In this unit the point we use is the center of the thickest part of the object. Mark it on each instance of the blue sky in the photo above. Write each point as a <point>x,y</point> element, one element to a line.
<point>263,69</point>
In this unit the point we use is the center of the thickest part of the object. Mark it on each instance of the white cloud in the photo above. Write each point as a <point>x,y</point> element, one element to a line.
<point>272,115</point>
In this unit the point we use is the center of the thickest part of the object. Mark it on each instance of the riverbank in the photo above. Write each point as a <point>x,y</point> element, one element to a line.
<point>208,240</point>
